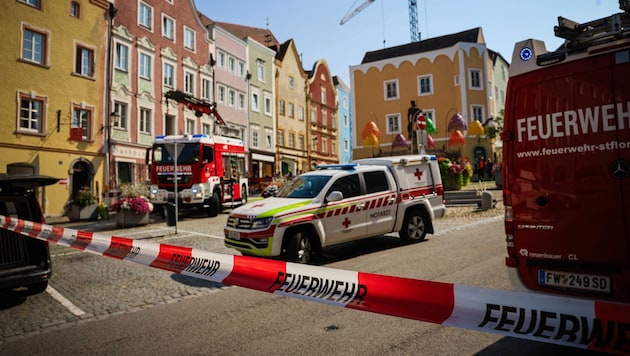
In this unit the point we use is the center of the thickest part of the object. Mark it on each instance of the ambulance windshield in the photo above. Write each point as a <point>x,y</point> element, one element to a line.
<point>305,186</point>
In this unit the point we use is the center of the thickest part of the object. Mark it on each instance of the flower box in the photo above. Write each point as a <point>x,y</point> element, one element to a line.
<point>78,212</point>
<point>127,218</point>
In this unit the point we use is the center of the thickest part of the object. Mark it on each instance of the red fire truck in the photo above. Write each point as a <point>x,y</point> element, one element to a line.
<point>206,171</point>
<point>566,169</point>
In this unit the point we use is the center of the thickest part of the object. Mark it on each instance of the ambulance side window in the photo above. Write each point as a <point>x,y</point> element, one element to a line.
<point>349,186</point>
<point>375,182</point>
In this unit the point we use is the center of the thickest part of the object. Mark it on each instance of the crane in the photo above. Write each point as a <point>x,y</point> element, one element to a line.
<point>413,17</point>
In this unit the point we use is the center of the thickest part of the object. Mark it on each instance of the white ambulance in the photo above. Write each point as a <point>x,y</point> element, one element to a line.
<point>341,203</point>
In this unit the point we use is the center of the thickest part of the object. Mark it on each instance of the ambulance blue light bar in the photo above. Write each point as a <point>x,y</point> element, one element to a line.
<point>348,166</point>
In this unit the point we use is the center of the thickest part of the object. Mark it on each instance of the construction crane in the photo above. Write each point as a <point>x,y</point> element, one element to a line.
<point>413,17</point>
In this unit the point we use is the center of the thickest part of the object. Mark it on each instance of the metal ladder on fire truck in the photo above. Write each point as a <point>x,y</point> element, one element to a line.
<point>200,107</point>
<point>579,37</point>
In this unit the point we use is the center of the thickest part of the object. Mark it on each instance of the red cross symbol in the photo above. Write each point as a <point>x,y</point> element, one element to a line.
<point>258,205</point>
<point>346,223</point>
<point>418,174</point>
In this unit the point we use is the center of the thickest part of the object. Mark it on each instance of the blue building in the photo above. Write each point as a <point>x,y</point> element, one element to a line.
<point>345,120</point>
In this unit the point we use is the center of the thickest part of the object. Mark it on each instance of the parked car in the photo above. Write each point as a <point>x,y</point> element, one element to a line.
<point>25,266</point>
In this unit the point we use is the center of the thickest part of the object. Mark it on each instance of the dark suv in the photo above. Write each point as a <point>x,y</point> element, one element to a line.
<point>24,261</point>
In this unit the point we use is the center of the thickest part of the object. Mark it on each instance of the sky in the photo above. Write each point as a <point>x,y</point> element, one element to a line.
<point>314,25</point>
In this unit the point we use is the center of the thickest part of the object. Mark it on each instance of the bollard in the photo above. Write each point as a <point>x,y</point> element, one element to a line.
<point>169,214</point>
<point>486,200</point>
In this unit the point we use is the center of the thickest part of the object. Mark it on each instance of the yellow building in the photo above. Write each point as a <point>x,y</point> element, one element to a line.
<point>291,111</point>
<point>53,60</point>
<point>444,76</point>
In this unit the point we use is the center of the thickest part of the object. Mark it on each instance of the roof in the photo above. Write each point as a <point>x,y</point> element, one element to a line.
<point>472,36</point>
<point>263,36</point>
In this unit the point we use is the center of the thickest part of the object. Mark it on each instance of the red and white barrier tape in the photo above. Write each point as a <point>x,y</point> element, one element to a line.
<point>580,323</point>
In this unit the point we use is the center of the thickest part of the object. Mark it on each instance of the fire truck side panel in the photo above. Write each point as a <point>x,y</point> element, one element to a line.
<point>567,127</point>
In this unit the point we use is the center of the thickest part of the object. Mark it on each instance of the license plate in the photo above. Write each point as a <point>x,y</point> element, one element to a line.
<point>581,281</point>
<point>234,235</point>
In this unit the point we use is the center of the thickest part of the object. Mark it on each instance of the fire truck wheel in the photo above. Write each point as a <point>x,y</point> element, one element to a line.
<point>414,227</point>
<point>300,248</point>
<point>215,205</point>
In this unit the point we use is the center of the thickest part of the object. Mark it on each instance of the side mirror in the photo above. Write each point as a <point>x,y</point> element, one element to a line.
<point>334,196</point>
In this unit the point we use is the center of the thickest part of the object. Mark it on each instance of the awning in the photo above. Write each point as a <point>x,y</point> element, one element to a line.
<point>265,158</point>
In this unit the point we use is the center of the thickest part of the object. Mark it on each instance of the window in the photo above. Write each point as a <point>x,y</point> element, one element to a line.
<point>34,46</point>
<point>206,91</point>
<point>168,27</point>
<point>322,94</point>
<point>75,9</point>
<point>393,124</point>
<point>313,115</point>
<point>232,98</point>
<point>168,75</point>
<point>241,69</point>
<point>424,85</point>
<point>346,121</point>
<point>346,145</point>
<point>121,59</point>
<point>33,3</point>
<point>121,110</point>
<point>268,139</point>
<point>281,107</point>
<point>221,59</point>
<point>84,62</point>
<point>324,145</point>
<point>255,103</point>
<point>291,111</point>
<point>349,186</point>
<point>189,82</point>
<point>190,126</point>
<point>291,140</point>
<point>144,66</point>
<point>345,102</point>
<point>280,138</point>
<point>260,70</point>
<point>291,83</point>
<point>31,114</point>
<point>301,142</point>
<point>391,90</point>
<point>475,79</point>
<point>189,38</point>
<point>145,15</point>
<point>222,94</point>
<point>301,113</point>
<point>232,65</point>
<point>375,182</point>
<point>81,118</point>
<point>267,104</point>
<point>255,141</point>
<point>324,117</point>
<point>145,120</point>
<point>241,101</point>
<point>477,113</point>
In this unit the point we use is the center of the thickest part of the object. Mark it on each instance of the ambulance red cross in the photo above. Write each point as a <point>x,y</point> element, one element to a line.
<point>341,203</point>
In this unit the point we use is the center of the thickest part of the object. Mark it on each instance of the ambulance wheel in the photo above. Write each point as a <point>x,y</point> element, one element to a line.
<point>414,227</point>
<point>215,205</point>
<point>300,248</point>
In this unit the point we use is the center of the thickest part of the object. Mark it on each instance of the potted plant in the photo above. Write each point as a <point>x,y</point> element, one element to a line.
<point>83,206</point>
<point>132,206</point>
<point>455,173</point>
